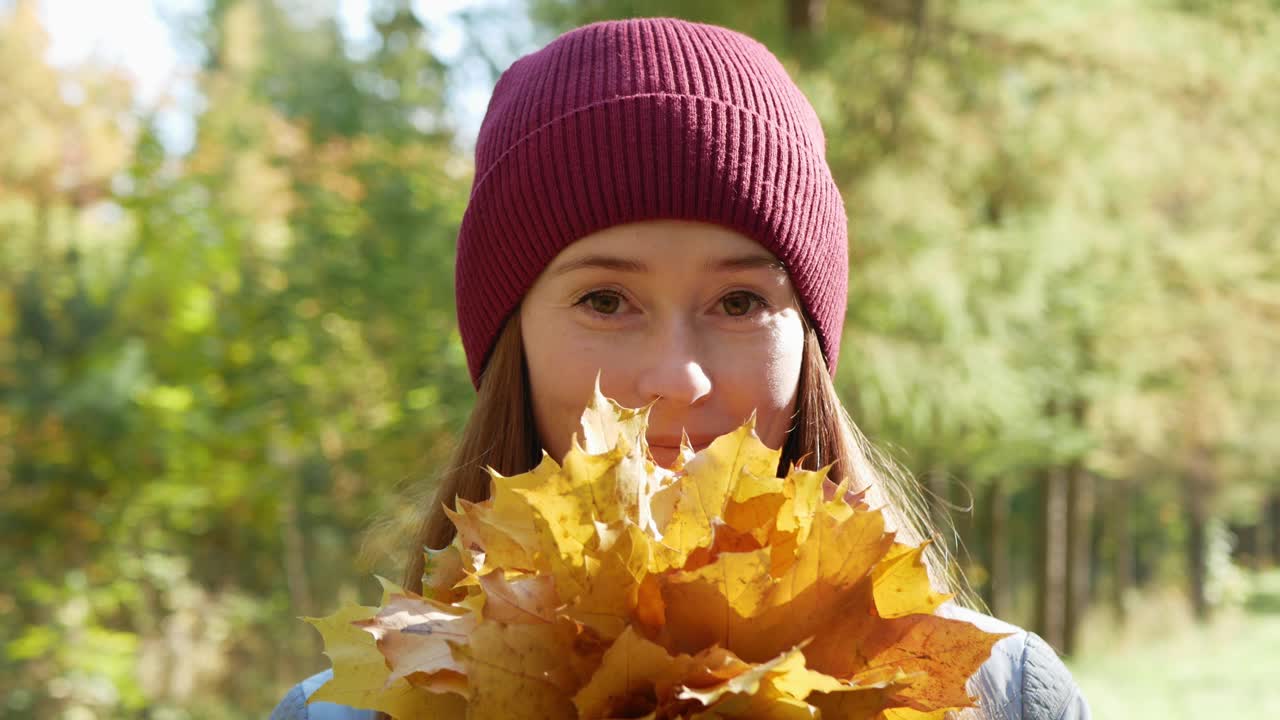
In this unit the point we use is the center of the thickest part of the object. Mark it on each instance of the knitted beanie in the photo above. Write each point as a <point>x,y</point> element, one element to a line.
<point>649,118</point>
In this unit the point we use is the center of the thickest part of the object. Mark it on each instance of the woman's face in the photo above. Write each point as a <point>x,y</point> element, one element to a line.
<point>696,315</point>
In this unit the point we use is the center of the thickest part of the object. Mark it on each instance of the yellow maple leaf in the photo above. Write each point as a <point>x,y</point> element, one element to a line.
<point>411,633</point>
<point>520,670</point>
<point>627,680</point>
<point>360,673</point>
<point>527,599</point>
<point>701,493</point>
<point>605,586</point>
<point>442,571</point>
<point>900,584</point>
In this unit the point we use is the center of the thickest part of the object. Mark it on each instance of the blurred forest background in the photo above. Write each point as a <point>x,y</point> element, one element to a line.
<point>220,367</point>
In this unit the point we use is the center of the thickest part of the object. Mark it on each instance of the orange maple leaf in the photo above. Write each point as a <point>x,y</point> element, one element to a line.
<point>608,586</point>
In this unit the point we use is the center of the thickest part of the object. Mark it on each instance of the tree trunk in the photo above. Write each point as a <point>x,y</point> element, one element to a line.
<point>295,561</point>
<point>1051,586</point>
<point>1079,568</point>
<point>1122,545</point>
<point>43,249</point>
<point>1258,535</point>
<point>896,101</point>
<point>1196,567</point>
<point>1196,489</point>
<point>1247,544</point>
<point>996,539</point>
<point>1269,532</point>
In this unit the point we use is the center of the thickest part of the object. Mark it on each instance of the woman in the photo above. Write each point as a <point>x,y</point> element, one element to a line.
<point>652,202</point>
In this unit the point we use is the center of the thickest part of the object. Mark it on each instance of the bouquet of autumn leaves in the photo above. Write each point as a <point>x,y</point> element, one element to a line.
<point>609,587</point>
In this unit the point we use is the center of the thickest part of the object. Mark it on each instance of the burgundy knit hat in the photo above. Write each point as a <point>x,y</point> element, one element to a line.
<point>650,118</point>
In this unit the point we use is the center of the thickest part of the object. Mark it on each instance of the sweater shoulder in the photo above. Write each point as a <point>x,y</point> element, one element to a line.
<point>1048,689</point>
<point>1024,679</point>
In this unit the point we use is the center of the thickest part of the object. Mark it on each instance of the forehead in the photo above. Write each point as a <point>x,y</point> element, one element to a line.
<point>655,244</point>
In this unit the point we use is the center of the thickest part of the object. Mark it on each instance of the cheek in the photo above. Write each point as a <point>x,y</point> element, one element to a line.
<point>562,371</point>
<point>764,377</point>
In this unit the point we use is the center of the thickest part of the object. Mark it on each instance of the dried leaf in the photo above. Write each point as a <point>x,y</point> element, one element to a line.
<point>519,671</point>
<point>606,586</point>
<point>442,571</point>
<point>411,633</point>
<point>360,674</point>
<point>528,599</point>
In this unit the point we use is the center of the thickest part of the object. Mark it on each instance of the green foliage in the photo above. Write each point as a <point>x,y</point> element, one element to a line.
<point>218,370</point>
<point>205,406</point>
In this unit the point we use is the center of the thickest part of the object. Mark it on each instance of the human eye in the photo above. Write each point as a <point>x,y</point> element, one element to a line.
<point>601,302</point>
<point>742,303</point>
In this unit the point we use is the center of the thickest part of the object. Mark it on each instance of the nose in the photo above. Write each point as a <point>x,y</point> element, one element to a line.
<point>674,371</point>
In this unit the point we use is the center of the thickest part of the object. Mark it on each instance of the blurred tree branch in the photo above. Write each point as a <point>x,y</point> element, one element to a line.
<point>804,17</point>
<point>911,13</point>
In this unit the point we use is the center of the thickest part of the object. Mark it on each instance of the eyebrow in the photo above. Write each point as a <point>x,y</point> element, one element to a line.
<point>746,262</point>
<point>621,264</point>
